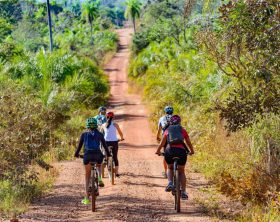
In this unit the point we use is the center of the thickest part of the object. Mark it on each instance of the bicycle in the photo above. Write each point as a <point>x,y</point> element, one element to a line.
<point>111,165</point>
<point>176,182</point>
<point>93,184</point>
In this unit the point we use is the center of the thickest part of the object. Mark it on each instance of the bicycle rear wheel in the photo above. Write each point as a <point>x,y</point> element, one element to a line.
<point>94,181</point>
<point>177,192</point>
<point>111,170</point>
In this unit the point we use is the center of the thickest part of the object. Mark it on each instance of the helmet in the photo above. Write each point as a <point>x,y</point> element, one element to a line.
<point>91,123</point>
<point>102,109</point>
<point>168,109</point>
<point>110,115</point>
<point>175,120</point>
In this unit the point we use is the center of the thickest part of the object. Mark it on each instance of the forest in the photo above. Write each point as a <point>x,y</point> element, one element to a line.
<point>216,62</point>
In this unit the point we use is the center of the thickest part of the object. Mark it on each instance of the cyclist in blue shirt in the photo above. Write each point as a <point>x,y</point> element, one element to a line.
<point>101,117</point>
<point>91,140</point>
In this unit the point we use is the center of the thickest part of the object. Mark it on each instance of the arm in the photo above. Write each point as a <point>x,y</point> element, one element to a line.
<point>119,130</point>
<point>81,143</point>
<point>162,143</point>
<point>189,144</point>
<point>159,132</point>
<point>104,145</point>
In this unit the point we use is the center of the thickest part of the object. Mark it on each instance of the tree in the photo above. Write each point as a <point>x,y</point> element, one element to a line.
<point>246,48</point>
<point>11,11</point>
<point>90,12</point>
<point>133,8</point>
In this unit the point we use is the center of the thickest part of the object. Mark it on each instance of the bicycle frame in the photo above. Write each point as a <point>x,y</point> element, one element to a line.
<point>93,187</point>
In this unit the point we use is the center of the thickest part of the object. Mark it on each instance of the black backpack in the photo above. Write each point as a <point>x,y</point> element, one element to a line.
<point>175,135</point>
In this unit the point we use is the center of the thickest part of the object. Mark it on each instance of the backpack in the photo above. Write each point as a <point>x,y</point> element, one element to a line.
<point>175,135</point>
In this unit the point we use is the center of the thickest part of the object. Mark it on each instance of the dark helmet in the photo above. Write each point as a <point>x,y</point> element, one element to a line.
<point>102,109</point>
<point>175,120</point>
<point>168,110</point>
<point>91,123</point>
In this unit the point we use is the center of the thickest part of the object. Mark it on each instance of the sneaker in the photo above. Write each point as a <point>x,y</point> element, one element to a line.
<point>164,174</point>
<point>184,195</point>
<point>100,183</point>
<point>169,187</point>
<point>85,201</point>
<point>118,175</point>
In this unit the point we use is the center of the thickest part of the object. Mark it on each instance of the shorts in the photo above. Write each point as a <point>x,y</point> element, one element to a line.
<point>170,153</point>
<point>93,156</point>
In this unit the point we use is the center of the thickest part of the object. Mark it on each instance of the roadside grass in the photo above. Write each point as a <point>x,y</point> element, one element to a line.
<point>234,162</point>
<point>15,198</point>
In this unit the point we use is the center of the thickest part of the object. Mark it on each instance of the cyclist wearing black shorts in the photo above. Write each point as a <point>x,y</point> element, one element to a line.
<point>111,129</point>
<point>91,140</point>
<point>175,136</point>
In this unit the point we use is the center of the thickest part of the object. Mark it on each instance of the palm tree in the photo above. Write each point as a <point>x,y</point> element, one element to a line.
<point>133,8</point>
<point>90,12</point>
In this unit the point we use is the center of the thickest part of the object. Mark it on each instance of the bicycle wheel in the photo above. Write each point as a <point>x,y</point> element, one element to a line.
<point>178,192</point>
<point>112,174</point>
<point>94,179</point>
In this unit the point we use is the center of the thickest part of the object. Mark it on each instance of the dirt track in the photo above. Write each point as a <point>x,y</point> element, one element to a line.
<point>139,194</point>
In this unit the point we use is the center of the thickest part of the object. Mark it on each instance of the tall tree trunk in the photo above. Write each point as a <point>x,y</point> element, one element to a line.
<point>50,25</point>
<point>134,25</point>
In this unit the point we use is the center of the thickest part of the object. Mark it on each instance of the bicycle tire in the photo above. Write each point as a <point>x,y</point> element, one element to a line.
<point>177,192</point>
<point>174,184</point>
<point>112,171</point>
<point>94,179</point>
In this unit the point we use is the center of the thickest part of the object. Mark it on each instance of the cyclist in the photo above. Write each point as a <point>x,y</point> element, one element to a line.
<point>101,117</point>
<point>110,129</point>
<point>163,124</point>
<point>91,140</point>
<point>175,136</point>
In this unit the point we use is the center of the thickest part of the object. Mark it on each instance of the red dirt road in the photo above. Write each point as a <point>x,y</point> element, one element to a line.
<point>139,194</point>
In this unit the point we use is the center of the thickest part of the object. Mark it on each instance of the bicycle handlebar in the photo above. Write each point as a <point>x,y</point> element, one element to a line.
<point>162,153</point>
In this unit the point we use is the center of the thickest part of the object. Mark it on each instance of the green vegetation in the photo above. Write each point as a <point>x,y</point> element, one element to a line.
<point>45,96</point>
<point>218,65</point>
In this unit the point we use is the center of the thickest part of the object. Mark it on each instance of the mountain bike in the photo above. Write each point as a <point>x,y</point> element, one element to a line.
<point>111,165</point>
<point>177,185</point>
<point>176,182</point>
<point>93,184</point>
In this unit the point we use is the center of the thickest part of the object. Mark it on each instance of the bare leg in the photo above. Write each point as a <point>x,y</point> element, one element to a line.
<point>170,173</point>
<point>99,170</point>
<point>116,169</point>
<point>87,178</point>
<point>164,165</point>
<point>182,177</point>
